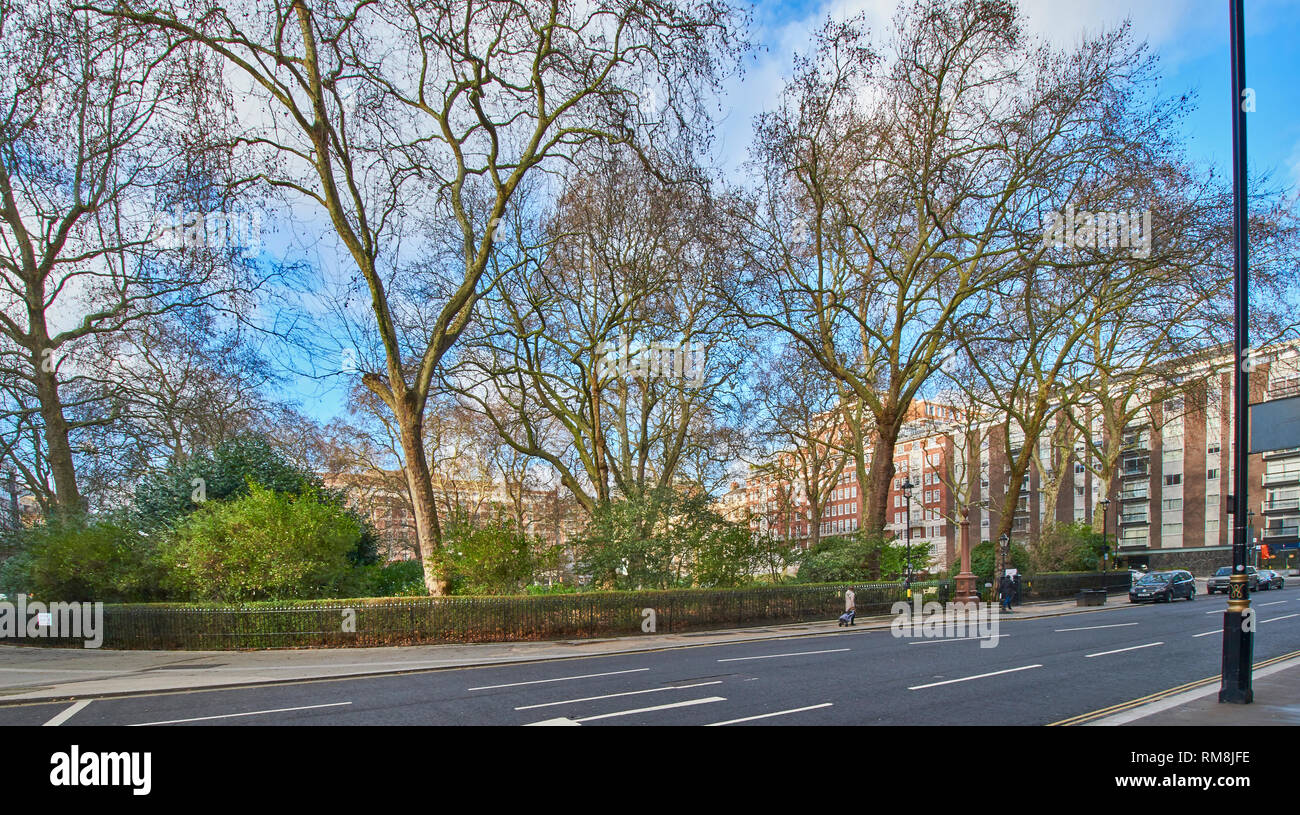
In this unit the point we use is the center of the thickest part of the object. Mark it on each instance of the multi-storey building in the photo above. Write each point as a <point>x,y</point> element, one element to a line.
<point>1167,499</point>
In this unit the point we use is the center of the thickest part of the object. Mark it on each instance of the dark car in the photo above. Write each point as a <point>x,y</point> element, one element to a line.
<point>1220,580</point>
<point>1161,587</point>
<point>1269,579</point>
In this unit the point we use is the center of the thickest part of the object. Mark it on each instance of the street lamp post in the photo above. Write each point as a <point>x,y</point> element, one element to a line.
<point>1005,545</point>
<point>1238,642</point>
<point>1105,550</point>
<point>907,493</point>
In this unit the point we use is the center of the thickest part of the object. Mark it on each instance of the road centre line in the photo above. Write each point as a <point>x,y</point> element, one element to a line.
<point>613,695</point>
<point>968,678</point>
<point>770,715</point>
<point>1094,627</point>
<point>557,679</point>
<point>76,708</point>
<point>687,703</point>
<point>1208,633</point>
<point>1283,617</point>
<point>792,654</point>
<point>1274,603</point>
<point>1122,650</point>
<point>237,715</point>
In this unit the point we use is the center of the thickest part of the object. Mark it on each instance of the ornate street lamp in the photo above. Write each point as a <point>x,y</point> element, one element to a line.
<point>1239,638</point>
<point>1005,542</point>
<point>908,486</point>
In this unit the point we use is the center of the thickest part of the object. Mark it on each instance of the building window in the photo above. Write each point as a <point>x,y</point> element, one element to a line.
<point>1212,473</point>
<point>1174,479</point>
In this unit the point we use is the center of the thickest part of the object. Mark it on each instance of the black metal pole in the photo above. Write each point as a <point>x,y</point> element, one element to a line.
<point>907,581</point>
<point>1238,641</point>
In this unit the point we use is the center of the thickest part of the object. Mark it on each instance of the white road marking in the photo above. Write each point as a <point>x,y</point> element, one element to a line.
<point>1274,603</point>
<point>969,678</point>
<point>1283,617</point>
<point>613,695</point>
<point>1122,650</point>
<point>1208,633</point>
<point>237,715</point>
<point>1094,627</point>
<point>959,639</point>
<point>770,715</point>
<point>792,654</point>
<point>557,679</point>
<point>688,703</point>
<point>69,713</point>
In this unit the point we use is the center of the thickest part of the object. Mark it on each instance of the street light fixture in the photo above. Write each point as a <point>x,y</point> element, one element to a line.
<point>908,486</point>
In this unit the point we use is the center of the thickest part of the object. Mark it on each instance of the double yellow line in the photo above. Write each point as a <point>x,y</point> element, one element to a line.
<point>1084,718</point>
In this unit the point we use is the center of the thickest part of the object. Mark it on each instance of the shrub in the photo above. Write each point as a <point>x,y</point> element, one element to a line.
<point>494,558</point>
<point>403,578</point>
<point>82,558</point>
<point>266,545</point>
<point>847,558</point>
<point>985,559</point>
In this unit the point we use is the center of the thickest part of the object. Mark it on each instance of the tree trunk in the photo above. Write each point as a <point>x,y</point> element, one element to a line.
<point>57,446</point>
<point>428,533</point>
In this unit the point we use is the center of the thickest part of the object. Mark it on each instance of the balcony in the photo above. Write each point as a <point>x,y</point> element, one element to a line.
<point>1284,477</point>
<point>1279,505</point>
<point>1129,544</point>
<point>1134,520</point>
<point>1285,453</point>
<point>1134,494</point>
<point>1142,470</point>
<point>1276,532</point>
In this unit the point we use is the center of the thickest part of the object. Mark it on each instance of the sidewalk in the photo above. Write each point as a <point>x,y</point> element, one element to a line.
<point>1276,685</point>
<point>35,673</point>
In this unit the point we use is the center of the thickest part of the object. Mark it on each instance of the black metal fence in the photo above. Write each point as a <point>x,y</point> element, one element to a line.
<point>423,620</point>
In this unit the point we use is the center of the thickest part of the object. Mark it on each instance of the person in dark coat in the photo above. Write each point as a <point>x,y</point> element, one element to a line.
<point>1005,587</point>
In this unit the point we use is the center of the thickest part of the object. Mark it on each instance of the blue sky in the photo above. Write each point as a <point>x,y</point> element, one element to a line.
<point>1189,36</point>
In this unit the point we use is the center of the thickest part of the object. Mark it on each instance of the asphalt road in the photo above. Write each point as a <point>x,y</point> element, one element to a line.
<point>1042,670</point>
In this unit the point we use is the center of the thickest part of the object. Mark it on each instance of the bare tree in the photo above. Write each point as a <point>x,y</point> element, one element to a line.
<point>102,128</point>
<point>917,190</point>
<point>377,110</point>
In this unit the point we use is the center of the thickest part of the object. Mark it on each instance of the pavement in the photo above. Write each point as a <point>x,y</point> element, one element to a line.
<point>1276,688</point>
<point>42,673</point>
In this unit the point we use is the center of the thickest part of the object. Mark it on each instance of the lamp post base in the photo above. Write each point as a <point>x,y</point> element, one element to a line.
<point>1238,653</point>
<point>967,592</point>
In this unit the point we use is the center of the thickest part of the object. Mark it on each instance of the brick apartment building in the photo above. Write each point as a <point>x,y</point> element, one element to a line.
<point>547,514</point>
<point>1168,498</point>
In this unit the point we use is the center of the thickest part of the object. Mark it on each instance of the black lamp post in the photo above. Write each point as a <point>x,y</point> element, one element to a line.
<point>907,493</point>
<point>1105,549</point>
<point>1238,641</point>
<point>1004,545</point>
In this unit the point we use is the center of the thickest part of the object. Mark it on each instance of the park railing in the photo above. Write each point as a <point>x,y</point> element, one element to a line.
<point>422,620</point>
<point>427,620</point>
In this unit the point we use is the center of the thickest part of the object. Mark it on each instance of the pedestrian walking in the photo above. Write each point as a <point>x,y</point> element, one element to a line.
<point>850,608</point>
<point>1005,587</point>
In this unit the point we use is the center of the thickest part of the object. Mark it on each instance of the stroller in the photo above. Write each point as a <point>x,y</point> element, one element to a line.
<point>847,617</point>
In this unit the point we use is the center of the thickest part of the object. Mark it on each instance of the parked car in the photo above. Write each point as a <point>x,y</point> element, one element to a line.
<point>1161,587</point>
<point>1220,580</point>
<point>1269,579</point>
